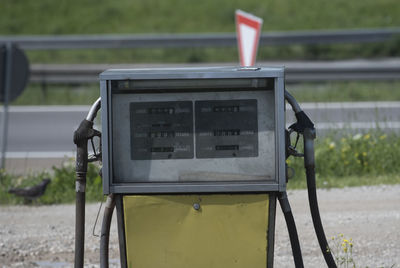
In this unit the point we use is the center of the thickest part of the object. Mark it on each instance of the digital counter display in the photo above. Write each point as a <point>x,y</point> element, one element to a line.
<point>226,128</point>
<point>161,130</point>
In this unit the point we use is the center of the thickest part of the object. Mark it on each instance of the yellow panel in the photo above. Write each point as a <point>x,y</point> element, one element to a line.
<point>166,231</point>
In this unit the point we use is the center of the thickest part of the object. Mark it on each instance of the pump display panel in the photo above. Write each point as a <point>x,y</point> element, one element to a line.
<point>176,132</point>
<point>226,128</point>
<point>161,130</point>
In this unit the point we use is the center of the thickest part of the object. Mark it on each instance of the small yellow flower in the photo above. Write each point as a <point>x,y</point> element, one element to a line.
<point>332,145</point>
<point>357,136</point>
<point>367,136</point>
<point>382,137</point>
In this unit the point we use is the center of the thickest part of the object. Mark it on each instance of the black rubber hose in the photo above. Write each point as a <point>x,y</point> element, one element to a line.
<point>291,226</point>
<point>81,136</point>
<point>319,229</point>
<point>81,139</point>
<point>79,229</point>
<point>105,231</point>
<point>309,165</point>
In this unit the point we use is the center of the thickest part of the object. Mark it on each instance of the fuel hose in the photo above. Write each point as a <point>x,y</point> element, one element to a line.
<point>81,137</point>
<point>291,226</point>
<point>105,231</point>
<point>305,127</point>
<point>309,164</point>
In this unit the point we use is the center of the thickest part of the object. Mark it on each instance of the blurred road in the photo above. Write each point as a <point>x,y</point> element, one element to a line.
<point>42,135</point>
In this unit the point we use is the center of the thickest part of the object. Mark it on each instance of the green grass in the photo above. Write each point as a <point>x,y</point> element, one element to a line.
<point>36,94</point>
<point>352,160</point>
<point>347,181</point>
<point>48,17</point>
<point>60,190</point>
<point>178,16</point>
<point>369,159</point>
<point>346,91</point>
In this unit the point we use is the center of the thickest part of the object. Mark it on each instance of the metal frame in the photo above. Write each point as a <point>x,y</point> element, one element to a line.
<point>121,230</point>
<point>271,230</point>
<point>194,73</point>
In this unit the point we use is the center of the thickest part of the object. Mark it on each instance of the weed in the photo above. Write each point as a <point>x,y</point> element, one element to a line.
<point>361,159</point>
<point>60,190</point>
<point>342,250</point>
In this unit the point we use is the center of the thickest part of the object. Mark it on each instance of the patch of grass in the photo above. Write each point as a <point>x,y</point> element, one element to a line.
<point>352,160</point>
<point>138,55</point>
<point>60,190</point>
<point>177,16</point>
<point>346,91</point>
<point>36,94</point>
<point>341,182</point>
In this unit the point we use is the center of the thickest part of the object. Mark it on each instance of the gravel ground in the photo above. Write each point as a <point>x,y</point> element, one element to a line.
<point>43,236</point>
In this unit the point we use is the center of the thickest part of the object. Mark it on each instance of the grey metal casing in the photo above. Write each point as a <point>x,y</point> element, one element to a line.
<point>259,171</point>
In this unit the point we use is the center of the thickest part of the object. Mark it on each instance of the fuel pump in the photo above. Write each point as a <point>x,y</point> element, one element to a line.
<point>194,161</point>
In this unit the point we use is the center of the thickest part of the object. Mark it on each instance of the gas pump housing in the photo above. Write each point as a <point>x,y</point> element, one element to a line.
<point>195,158</point>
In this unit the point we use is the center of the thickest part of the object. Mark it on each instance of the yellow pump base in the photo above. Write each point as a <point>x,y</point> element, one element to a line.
<point>198,230</point>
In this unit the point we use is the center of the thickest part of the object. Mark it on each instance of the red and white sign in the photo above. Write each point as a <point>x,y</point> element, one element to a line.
<point>248,28</point>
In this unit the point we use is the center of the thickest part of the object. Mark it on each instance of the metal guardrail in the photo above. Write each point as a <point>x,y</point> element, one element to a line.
<point>388,69</point>
<point>199,40</point>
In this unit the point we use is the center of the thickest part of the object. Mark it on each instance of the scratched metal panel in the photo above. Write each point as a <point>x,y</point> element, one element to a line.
<point>255,166</point>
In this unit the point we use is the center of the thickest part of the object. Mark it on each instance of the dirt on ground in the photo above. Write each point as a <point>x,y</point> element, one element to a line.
<point>43,236</point>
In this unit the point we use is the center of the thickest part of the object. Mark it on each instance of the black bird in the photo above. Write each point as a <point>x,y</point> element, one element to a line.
<point>31,193</point>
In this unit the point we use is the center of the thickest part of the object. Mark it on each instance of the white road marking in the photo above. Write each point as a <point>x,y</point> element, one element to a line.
<point>49,108</point>
<point>24,155</point>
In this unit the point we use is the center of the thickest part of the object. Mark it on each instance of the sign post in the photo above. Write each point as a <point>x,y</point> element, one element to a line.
<point>248,28</point>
